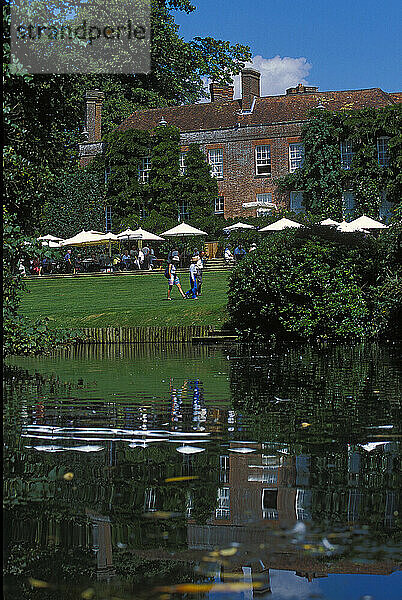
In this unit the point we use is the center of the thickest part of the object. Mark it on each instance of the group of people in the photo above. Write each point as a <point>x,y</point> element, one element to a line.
<point>195,271</point>
<point>128,260</point>
<point>238,253</point>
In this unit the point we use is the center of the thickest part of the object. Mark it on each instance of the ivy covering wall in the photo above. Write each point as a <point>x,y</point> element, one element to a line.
<point>323,177</point>
<point>137,188</point>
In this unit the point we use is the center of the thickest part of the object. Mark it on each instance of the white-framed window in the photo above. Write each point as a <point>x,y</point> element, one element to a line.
<point>182,163</point>
<point>183,210</point>
<point>144,168</point>
<point>219,205</point>
<point>382,151</point>
<point>215,159</point>
<point>223,509</point>
<point>386,208</point>
<point>264,198</point>
<point>263,160</point>
<point>296,202</point>
<point>348,205</point>
<point>269,500</point>
<point>296,156</point>
<point>346,154</point>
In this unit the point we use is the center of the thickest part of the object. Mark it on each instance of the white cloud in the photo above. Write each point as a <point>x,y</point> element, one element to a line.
<point>277,74</point>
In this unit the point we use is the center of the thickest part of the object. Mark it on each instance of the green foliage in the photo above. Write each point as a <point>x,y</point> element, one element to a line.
<point>123,152</point>
<point>198,187</point>
<point>133,201</point>
<point>75,203</point>
<point>322,179</point>
<point>164,174</point>
<point>311,283</point>
<point>21,335</point>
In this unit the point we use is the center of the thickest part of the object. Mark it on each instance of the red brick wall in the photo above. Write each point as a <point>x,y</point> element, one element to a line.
<point>240,183</point>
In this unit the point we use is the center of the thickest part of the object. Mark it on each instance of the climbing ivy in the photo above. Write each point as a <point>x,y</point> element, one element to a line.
<point>198,187</point>
<point>132,200</point>
<point>322,178</point>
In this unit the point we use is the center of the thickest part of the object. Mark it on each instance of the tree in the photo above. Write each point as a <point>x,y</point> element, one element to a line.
<point>198,189</point>
<point>164,173</point>
<point>45,113</point>
<point>76,202</point>
<point>21,336</point>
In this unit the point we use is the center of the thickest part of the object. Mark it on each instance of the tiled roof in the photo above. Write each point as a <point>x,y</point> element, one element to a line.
<point>396,97</point>
<point>270,109</point>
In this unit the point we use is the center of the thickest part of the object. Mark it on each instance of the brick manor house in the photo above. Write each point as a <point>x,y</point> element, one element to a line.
<point>248,142</point>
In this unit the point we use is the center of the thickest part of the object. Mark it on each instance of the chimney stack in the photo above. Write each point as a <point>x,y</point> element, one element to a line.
<point>301,89</point>
<point>94,100</point>
<point>250,88</point>
<point>221,92</point>
<point>92,145</point>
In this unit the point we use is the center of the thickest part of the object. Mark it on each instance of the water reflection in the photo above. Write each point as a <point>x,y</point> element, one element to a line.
<point>133,470</point>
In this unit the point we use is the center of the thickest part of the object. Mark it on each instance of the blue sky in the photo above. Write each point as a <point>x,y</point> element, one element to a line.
<point>335,45</point>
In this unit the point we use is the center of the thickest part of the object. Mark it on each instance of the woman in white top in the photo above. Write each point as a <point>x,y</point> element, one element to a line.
<point>173,278</point>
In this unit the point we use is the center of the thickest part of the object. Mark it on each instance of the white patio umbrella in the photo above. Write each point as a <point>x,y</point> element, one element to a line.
<point>183,230</point>
<point>140,234</point>
<point>84,238</point>
<point>368,223</point>
<point>280,225</point>
<point>329,222</point>
<point>128,234</point>
<point>346,227</point>
<point>238,225</point>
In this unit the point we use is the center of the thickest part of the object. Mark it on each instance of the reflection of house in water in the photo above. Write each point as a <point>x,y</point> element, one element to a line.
<point>256,491</point>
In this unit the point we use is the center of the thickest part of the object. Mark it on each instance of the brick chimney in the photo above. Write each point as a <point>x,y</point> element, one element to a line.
<point>220,92</point>
<point>94,114</point>
<point>301,89</point>
<point>91,145</point>
<point>250,88</point>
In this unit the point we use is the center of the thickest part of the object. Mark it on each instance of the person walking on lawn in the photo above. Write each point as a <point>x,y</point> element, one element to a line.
<point>173,278</point>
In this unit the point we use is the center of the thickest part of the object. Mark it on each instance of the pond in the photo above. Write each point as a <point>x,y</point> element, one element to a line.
<point>136,472</point>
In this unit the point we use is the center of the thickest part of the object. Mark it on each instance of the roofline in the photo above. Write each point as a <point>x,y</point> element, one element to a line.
<point>262,98</point>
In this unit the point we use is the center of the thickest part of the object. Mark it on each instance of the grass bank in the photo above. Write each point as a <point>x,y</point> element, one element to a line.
<point>126,301</point>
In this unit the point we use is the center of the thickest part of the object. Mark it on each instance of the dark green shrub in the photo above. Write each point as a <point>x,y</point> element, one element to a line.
<point>307,283</point>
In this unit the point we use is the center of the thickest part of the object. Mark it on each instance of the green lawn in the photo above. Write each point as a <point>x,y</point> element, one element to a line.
<point>126,301</point>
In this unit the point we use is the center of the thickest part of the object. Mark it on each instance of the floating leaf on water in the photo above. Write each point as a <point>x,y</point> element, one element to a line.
<point>190,450</point>
<point>161,514</point>
<point>37,583</point>
<point>68,476</point>
<point>189,478</point>
<point>228,551</point>
<point>304,425</point>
